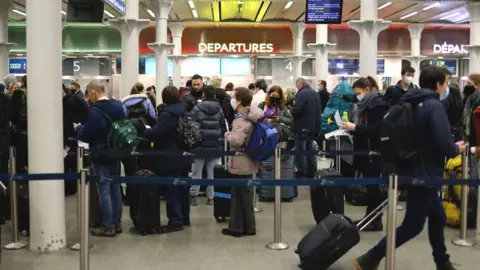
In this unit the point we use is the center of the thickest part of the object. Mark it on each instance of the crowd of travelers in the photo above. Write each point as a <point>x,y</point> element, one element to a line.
<point>443,120</point>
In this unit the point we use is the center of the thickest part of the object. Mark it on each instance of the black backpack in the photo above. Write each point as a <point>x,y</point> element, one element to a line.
<point>137,114</point>
<point>398,143</point>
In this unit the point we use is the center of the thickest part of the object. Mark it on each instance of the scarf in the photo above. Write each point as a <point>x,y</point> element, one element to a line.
<point>359,113</point>
<point>472,102</point>
<point>271,112</point>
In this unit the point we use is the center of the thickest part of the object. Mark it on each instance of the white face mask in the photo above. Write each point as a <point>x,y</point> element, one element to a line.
<point>408,80</point>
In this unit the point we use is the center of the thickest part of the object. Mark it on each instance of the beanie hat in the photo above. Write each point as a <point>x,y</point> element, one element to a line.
<point>9,80</point>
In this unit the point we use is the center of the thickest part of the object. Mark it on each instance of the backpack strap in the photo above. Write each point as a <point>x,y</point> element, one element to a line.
<point>103,113</point>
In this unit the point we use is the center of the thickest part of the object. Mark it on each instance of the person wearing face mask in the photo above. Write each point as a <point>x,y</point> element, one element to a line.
<point>394,93</point>
<point>259,92</point>
<point>370,110</point>
<point>452,101</point>
<point>434,144</point>
<point>276,113</point>
<point>472,102</point>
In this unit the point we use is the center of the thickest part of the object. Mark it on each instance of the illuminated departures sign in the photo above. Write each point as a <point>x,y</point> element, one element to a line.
<point>449,49</point>
<point>235,47</point>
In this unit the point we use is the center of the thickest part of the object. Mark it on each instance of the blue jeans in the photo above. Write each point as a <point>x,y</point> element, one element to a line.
<point>109,193</point>
<point>422,203</point>
<point>306,164</point>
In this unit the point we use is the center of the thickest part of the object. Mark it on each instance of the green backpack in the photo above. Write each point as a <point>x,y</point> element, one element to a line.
<point>122,137</point>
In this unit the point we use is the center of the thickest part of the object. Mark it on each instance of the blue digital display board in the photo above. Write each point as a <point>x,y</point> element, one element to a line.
<point>351,66</point>
<point>450,64</point>
<point>17,65</point>
<point>235,67</point>
<point>118,5</point>
<point>323,11</point>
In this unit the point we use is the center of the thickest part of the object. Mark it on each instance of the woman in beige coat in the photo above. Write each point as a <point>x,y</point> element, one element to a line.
<point>242,217</point>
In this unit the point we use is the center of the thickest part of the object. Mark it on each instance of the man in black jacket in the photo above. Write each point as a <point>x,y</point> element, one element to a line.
<point>306,113</point>
<point>323,93</point>
<point>394,93</point>
<point>435,143</point>
<point>196,93</point>
<point>5,114</point>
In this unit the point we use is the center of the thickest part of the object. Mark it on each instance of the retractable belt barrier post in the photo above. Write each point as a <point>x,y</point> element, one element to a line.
<point>254,191</point>
<point>338,158</point>
<point>477,231</point>
<point>277,243</point>
<point>80,158</point>
<point>16,243</point>
<point>462,240</point>
<point>391,221</point>
<point>84,216</point>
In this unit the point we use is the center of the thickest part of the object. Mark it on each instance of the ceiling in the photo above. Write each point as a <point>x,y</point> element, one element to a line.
<point>284,11</point>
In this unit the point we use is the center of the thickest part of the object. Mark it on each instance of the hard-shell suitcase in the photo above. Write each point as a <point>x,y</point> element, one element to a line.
<point>332,238</point>
<point>267,193</point>
<point>145,206</point>
<point>326,200</point>
<point>221,195</point>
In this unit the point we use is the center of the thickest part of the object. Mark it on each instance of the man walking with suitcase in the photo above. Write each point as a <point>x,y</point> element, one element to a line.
<point>434,141</point>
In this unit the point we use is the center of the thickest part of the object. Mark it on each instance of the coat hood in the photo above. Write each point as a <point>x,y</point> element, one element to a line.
<point>177,109</point>
<point>209,107</point>
<point>132,100</point>
<point>252,113</point>
<point>419,95</point>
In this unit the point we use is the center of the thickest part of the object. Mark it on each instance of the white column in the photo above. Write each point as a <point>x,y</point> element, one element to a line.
<point>321,48</point>
<point>129,27</point>
<point>176,28</point>
<point>416,57</point>
<point>5,6</point>
<point>474,47</point>
<point>368,27</point>
<point>161,47</point>
<point>297,59</point>
<point>45,139</point>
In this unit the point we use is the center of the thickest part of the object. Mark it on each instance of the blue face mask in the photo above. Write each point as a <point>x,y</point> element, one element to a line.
<point>360,97</point>
<point>445,95</point>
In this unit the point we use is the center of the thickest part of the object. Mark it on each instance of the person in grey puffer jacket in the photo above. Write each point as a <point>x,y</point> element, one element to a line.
<point>209,115</point>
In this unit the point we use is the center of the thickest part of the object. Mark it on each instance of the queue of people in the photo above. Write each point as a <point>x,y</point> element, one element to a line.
<point>231,114</point>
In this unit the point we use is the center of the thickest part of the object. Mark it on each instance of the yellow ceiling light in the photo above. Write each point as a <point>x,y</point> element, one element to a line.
<point>228,9</point>
<point>216,11</point>
<point>250,10</point>
<point>263,10</point>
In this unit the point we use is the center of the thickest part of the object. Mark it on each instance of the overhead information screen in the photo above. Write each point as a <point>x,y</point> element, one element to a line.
<point>118,5</point>
<point>324,11</point>
<point>450,64</point>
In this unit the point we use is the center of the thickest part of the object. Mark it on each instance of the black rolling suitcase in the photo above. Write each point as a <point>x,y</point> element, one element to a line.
<point>333,237</point>
<point>221,195</point>
<point>326,200</point>
<point>145,206</point>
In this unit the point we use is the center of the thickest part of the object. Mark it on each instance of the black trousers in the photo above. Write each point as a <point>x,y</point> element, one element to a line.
<point>4,199</point>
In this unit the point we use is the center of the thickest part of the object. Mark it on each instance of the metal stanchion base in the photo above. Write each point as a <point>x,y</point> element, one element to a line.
<point>400,207</point>
<point>15,246</point>
<point>257,210</point>
<point>463,242</point>
<point>76,246</point>
<point>278,246</point>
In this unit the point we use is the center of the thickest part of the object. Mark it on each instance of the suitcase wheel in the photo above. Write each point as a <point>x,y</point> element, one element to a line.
<point>221,219</point>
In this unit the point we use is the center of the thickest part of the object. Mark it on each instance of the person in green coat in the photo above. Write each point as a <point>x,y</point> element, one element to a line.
<point>276,112</point>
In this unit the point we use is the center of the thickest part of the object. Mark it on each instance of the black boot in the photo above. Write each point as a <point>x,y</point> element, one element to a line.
<point>366,262</point>
<point>446,266</point>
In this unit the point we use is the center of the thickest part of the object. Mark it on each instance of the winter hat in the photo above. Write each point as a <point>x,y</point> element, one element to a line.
<point>9,80</point>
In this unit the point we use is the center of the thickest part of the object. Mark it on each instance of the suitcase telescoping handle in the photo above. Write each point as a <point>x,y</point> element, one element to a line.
<point>338,158</point>
<point>225,147</point>
<point>374,214</point>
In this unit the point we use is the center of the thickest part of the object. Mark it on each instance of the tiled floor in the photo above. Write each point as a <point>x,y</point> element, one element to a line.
<point>203,247</point>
